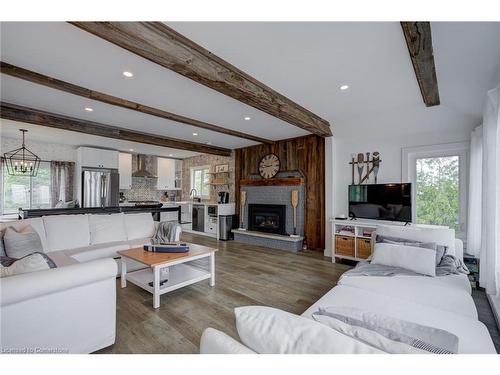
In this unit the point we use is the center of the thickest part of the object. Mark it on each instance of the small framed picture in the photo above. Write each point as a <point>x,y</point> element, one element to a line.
<point>222,168</point>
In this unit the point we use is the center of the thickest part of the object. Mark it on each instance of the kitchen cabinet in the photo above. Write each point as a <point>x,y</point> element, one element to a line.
<point>166,174</point>
<point>178,174</point>
<point>125,170</point>
<point>98,158</point>
<point>186,216</point>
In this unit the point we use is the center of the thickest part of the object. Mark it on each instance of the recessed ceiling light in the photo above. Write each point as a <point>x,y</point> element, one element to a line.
<point>195,134</point>
<point>170,154</point>
<point>128,74</point>
<point>131,149</point>
<point>88,109</point>
<point>344,87</point>
<point>247,118</point>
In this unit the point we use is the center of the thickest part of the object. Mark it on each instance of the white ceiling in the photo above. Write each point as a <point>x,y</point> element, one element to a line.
<point>10,129</point>
<point>305,61</point>
<point>308,62</point>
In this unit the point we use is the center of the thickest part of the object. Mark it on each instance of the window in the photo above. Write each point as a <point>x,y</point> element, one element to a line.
<point>200,180</point>
<point>439,181</point>
<point>26,191</point>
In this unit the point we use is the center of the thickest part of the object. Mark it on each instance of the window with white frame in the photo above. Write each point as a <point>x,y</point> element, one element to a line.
<point>25,191</point>
<point>438,174</point>
<point>200,181</point>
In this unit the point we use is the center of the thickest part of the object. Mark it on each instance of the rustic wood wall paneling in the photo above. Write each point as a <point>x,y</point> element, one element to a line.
<point>306,154</point>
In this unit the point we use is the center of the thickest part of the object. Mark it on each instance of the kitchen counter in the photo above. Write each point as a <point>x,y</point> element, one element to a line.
<point>26,214</point>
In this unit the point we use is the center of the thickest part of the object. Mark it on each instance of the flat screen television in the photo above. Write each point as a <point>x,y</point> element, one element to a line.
<point>380,202</point>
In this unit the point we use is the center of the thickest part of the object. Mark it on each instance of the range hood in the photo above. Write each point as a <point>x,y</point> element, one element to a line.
<point>145,166</point>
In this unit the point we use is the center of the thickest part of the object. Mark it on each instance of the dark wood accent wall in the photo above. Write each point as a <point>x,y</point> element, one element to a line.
<point>306,154</point>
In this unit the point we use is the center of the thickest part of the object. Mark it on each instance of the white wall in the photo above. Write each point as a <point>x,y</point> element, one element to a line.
<point>46,151</point>
<point>389,146</point>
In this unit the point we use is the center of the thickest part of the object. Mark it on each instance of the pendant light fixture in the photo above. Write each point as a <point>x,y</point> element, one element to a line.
<point>21,161</point>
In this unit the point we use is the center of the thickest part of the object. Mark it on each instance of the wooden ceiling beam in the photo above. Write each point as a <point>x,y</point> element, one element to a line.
<point>34,116</point>
<point>57,84</point>
<point>162,45</point>
<point>419,41</point>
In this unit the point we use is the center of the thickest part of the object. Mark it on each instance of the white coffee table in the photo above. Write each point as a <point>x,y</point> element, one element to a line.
<point>176,267</point>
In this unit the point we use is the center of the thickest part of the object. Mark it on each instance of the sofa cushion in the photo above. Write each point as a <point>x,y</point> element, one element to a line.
<point>139,225</point>
<point>29,263</point>
<point>97,251</point>
<point>439,235</point>
<point>271,331</point>
<point>19,243</point>
<point>67,231</point>
<point>391,335</point>
<point>36,223</point>
<point>107,228</point>
<point>473,336</point>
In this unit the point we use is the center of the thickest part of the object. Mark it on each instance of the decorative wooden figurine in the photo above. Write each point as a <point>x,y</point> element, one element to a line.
<point>372,166</point>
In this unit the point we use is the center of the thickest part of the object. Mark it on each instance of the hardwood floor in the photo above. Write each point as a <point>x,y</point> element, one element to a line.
<point>245,275</point>
<point>486,315</point>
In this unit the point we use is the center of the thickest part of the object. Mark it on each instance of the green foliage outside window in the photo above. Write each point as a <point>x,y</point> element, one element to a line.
<point>438,191</point>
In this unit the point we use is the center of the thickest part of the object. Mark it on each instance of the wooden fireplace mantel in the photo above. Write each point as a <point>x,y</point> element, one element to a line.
<point>290,181</point>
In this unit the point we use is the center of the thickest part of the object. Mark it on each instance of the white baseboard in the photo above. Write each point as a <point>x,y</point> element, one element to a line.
<point>495,307</point>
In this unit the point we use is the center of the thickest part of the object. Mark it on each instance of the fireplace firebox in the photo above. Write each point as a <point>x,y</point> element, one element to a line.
<point>269,218</point>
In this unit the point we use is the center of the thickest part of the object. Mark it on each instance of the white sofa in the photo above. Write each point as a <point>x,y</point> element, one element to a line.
<point>442,302</point>
<point>71,308</point>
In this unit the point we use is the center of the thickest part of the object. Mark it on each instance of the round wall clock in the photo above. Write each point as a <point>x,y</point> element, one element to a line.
<point>269,165</point>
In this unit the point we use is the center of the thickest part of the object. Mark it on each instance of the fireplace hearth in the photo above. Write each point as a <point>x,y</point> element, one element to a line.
<point>268,218</point>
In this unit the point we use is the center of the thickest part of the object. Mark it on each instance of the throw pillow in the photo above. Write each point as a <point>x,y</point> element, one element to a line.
<point>386,333</point>
<point>20,243</point>
<point>440,249</point>
<point>30,263</point>
<point>272,331</point>
<point>416,259</point>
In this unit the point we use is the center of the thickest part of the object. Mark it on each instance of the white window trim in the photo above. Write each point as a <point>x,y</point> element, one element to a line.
<point>408,173</point>
<point>191,178</point>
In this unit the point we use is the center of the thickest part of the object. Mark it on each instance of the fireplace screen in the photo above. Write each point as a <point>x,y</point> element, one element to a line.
<point>268,218</point>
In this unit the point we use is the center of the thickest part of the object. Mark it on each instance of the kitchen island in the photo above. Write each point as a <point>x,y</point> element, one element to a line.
<point>154,209</point>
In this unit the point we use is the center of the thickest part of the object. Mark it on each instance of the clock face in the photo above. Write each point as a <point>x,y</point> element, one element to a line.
<point>269,165</point>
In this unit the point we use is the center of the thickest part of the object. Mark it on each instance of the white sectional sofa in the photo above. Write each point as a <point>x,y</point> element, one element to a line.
<point>71,308</point>
<point>442,302</point>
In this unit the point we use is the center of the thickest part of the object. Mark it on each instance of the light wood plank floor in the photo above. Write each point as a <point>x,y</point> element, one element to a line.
<point>245,275</point>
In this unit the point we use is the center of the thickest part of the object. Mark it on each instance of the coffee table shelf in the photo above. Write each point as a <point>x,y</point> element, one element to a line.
<point>178,276</point>
<point>180,269</point>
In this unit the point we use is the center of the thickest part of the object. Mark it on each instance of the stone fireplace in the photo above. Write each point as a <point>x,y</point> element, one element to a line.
<point>268,213</point>
<point>268,218</point>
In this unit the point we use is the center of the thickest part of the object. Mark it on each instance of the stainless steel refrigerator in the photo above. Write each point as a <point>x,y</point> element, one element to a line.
<point>100,187</point>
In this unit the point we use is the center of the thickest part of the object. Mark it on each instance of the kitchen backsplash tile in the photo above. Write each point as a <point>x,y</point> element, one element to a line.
<point>144,189</point>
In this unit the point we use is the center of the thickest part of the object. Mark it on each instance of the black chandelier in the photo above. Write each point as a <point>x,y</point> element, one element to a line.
<point>21,161</point>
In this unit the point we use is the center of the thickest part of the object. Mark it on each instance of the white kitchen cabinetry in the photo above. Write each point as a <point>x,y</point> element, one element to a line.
<point>186,216</point>
<point>97,158</point>
<point>178,174</point>
<point>166,174</point>
<point>125,170</point>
